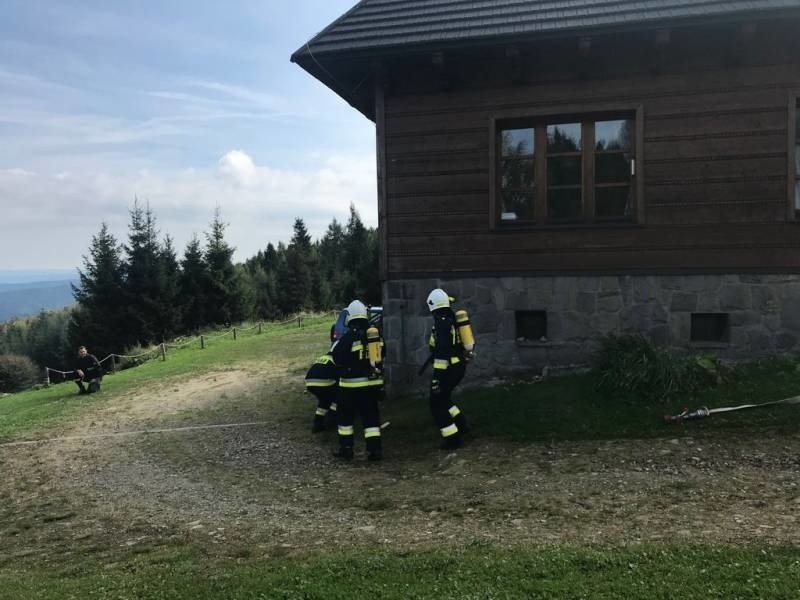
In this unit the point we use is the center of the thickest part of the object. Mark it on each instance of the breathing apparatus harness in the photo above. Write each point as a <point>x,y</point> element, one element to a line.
<point>439,299</point>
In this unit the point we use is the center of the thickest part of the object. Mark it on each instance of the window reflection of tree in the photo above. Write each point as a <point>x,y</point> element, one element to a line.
<point>517,174</point>
<point>613,156</point>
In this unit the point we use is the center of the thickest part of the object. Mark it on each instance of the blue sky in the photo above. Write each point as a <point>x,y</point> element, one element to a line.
<point>184,104</point>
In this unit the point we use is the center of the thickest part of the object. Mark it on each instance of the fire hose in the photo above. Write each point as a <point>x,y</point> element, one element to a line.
<point>703,411</point>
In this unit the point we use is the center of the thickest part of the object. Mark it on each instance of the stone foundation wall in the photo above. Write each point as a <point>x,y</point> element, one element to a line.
<point>763,316</point>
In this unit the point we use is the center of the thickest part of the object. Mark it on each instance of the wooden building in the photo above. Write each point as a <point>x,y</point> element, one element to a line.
<point>569,169</point>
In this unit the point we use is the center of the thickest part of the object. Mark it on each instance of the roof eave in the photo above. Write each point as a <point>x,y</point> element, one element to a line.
<point>411,48</point>
<point>316,70</point>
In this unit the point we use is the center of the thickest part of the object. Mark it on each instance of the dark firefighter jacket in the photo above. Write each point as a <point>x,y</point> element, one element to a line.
<point>90,366</point>
<point>352,359</point>
<point>322,373</point>
<point>445,341</point>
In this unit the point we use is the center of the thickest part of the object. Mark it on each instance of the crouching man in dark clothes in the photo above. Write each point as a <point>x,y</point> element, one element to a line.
<point>89,372</point>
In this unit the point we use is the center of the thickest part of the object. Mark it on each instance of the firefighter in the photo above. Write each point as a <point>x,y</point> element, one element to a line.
<point>449,365</point>
<point>360,383</point>
<point>322,381</point>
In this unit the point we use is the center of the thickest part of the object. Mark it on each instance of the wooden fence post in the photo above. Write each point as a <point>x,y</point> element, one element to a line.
<point>234,334</point>
<point>113,363</point>
<point>259,327</point>
<point>202,343</point>
<point>163,352</point>
<point>46,376</point>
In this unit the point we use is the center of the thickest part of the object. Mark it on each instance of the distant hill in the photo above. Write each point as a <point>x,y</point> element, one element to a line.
<point>23,299</point>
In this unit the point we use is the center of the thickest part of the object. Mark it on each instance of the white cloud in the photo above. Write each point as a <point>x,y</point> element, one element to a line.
<point>49,219</point>
<point>239,166</point>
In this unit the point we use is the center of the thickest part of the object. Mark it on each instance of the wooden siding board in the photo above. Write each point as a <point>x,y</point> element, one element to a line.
<point>577,240</point>
<point>728,88</point>
<point>416,165</point>
<point>425,184</point>
<point>451,223</point>
<point>436,204</point>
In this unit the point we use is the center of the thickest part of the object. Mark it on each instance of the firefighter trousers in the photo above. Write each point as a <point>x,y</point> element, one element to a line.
<point>326,399</point>
<point>364,401</point>
<point>448,417</point>
<point>326,406</point>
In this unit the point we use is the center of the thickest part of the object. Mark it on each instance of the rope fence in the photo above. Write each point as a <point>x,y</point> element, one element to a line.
<point>160,350</point>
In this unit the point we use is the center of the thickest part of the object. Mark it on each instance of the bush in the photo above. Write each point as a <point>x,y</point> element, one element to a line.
<point>633,366</point>
<point>17,373</point>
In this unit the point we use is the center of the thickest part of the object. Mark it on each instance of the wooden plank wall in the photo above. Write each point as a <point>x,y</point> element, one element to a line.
<point>714,174</point>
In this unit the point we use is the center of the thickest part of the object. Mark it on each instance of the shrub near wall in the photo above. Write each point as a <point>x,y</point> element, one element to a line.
<point>632,366</point>
<point>17,372</point>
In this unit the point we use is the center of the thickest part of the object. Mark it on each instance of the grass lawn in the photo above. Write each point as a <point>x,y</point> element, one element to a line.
<point>39,409</point>
<point>570,408</point>
<point>663,572</point>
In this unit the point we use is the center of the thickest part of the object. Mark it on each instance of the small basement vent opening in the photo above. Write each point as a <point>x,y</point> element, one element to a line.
<point>531,325</point>
<point>710,327</point>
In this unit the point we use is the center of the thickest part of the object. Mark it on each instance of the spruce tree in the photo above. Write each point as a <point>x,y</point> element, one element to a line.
<point>282,296</point>
<point>330,252</point>
<point>99,319</point>
<point>147,307</point>
<point>356,250</point>
<point>170,321</point>
<point>193,283</point>
<point>270,259</point>
<point>223,292</point>
<point>298,268</point>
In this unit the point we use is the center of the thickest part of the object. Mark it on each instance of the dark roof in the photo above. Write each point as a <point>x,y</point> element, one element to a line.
<point>383,24</point>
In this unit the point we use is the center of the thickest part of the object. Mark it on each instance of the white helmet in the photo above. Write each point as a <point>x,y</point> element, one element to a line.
<point>355,310</point>
<point>438,298</point>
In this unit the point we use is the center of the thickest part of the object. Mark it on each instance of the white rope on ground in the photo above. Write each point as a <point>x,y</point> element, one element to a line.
<point>97,436</point>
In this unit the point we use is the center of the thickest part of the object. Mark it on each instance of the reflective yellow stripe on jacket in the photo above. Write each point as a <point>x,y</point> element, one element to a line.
<point>442,363</point>
<point>320,382</point>
<point>360,382</point>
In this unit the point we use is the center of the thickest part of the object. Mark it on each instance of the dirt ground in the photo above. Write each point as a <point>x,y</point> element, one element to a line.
<point>273,488</point>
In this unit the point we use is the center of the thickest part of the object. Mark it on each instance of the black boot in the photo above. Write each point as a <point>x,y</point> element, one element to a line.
<point>344,452</point>
<point>452,442</point>
<point>374,449</point>
<point>318,425</point>
<point>461,423</point>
